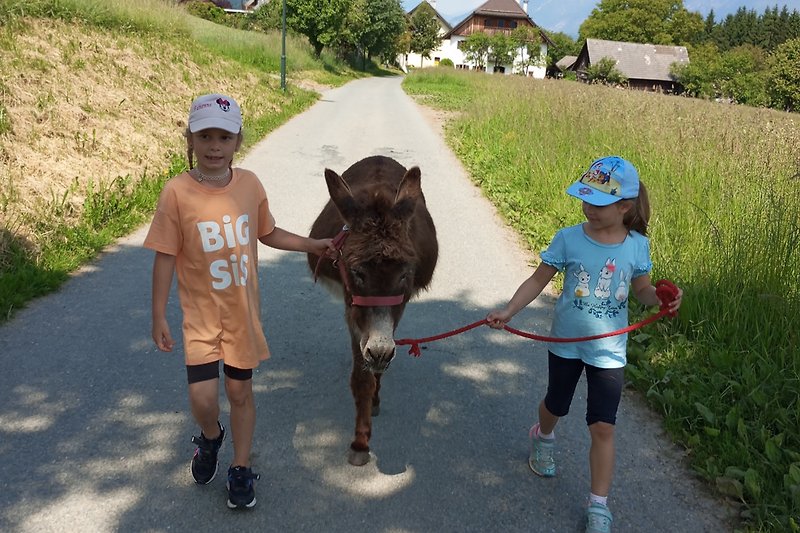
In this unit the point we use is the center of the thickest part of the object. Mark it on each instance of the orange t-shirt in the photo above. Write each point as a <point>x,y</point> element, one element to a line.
<point>213,234</point>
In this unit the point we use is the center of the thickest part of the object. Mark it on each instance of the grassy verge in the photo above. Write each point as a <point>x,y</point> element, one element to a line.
<point>726,227</point>
<point>91,117</point>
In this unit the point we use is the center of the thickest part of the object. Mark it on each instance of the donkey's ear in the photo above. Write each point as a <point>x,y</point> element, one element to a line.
<point>408,193</point>
<point>341,195</point>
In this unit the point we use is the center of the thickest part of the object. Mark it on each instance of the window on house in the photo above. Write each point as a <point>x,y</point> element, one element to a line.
<point>501,23</point>
<point>512,24</point>
<point>488,23</point>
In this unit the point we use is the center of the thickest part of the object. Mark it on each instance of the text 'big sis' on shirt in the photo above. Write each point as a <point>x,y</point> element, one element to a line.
<point>213,234</point>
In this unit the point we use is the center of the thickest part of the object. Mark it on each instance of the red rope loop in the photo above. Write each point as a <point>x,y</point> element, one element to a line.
<point>665,290</point>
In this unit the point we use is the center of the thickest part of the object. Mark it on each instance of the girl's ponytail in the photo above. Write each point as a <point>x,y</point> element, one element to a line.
<point>638,217</point>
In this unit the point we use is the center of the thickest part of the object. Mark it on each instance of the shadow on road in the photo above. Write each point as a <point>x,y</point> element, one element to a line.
<point>95,423</point>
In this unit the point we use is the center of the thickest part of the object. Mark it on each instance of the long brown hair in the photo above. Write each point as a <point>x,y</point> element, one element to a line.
<point>638,216</point>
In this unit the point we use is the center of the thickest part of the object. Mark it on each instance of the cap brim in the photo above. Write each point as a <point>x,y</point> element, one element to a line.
<point>591,195</point>
<point>215,122</point>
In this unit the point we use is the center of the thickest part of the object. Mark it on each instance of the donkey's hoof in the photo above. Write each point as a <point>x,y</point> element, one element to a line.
<point>357,457</point>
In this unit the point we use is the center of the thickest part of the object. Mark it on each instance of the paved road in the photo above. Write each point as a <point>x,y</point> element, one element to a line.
<point>95,427</point>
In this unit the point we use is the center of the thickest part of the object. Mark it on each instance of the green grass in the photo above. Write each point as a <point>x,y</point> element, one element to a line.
<point>725,191</point>
<point>152,16</point>
<point>110,211</point>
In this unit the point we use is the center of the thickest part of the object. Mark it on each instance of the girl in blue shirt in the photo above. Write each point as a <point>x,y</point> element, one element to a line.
<point>603,259</point>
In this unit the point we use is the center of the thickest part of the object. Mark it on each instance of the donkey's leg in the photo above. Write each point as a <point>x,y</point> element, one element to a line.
<point>362,384</point>
<point>376,398</point>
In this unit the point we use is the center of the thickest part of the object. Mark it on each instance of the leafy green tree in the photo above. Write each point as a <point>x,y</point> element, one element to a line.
<point>501,50</point>
<point>265,18</point>
<point>476,49</point>
<point>375,27</point>
<point>207,11</point>
<point>563,45</point>
<point>605,72</point>
<point>742,75</point>
<point>527,41</point>
<point>642,21</point>
<point>686,28</point>
<point>698,76</point>
<point>738,74</point>
<point>424,26</point>
<point>324,23</point>
<point>784,77</point>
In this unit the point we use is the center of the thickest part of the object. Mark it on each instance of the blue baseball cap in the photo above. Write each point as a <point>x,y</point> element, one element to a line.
<point>608,180</point>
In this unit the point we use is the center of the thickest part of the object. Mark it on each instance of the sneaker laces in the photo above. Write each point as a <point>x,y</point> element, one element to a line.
<point>241,474</point>
<point>598,521</point>
<point>205,447</point>
<point>544,450</point>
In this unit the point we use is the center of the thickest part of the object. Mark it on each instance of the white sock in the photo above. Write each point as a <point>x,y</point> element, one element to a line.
<point>602,500</point>
<point>547,436</point>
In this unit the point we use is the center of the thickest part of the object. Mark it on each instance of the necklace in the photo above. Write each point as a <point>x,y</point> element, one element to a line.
<point>204,177</point>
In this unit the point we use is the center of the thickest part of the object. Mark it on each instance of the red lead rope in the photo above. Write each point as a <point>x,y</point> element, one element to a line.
<point>665,290</point>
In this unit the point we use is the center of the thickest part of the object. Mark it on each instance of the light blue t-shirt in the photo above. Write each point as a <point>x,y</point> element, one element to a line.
<point>597,279</point>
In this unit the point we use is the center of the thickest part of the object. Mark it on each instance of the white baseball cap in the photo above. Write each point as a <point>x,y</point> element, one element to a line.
<point>215,111</point>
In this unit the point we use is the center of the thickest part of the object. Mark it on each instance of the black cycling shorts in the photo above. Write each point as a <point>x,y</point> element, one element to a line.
<point>604,388</point>
<point>208,371</point>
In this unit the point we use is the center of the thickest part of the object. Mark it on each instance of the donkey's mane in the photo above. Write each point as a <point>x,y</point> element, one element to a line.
<point>378,233</point>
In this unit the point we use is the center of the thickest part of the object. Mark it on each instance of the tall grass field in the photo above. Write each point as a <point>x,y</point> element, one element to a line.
<point>724,184</point>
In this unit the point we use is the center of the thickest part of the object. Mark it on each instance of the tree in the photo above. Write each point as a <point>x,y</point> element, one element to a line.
<point>501,50</point>
<point>424,28</point>
<point>642,21</point>
<point>324,23</point>
<point>742,75</point>
<point>527,41</point>
<point>375,27</point>
<point>698,76</point>
<point>605,72</point>
<point>784,77</point>
<point>476,49</point>
<point>563,45</point>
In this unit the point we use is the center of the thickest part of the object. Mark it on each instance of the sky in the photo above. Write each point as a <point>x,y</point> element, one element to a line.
<point>567,15</point>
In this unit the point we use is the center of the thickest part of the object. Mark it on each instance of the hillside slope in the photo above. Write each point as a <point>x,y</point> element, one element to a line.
<point>83,104</point>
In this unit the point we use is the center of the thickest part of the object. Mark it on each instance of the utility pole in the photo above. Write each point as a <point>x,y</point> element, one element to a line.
<point>283,47</point>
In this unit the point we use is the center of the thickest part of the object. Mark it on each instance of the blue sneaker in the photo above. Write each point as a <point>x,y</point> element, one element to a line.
<point>241,487</point>
<point>204,460</point>
<point>541,459</point>
<point>598,519</point>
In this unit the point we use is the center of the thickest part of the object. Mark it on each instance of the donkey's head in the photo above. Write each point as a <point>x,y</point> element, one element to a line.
<point>379,260</point>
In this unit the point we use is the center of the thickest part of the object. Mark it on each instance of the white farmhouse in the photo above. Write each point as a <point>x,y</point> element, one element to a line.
<point>492,17</point>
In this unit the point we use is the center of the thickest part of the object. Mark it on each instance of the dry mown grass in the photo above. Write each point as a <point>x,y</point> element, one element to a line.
<point>89,105</point>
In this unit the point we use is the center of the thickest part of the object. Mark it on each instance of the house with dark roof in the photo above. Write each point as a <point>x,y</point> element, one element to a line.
<point>491,17</point>
<point>647,66</point>
<point>564,64</point>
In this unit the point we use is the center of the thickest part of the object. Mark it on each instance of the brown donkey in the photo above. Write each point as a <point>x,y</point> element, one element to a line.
<point>377,214</point>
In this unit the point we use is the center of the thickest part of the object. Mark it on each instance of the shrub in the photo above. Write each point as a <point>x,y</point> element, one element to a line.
<point>207,10</point>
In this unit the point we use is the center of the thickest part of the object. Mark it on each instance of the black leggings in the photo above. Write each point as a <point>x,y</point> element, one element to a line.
<point>604,388</point>
<point>208,371</point>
